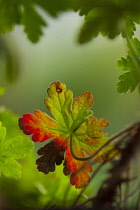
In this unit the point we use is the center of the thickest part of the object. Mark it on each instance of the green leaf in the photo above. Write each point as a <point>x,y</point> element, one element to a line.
<point>16,148</point>
<point>125,64</point>
<point>130,27</point>
<point>9,15</point>
<point>98,20</point>
<point>130,79</point>
<point>110,18</point>
<point>53,7</point>
<point>136,47</point>
<point>10,167</point>
<point>10,121</point>
<point>32,22</point>
<point>26,13</point>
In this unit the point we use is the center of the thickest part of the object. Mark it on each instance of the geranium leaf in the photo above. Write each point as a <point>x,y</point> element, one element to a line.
<point>10,167</point>
<point>130,79</point>
<point>16,148</point>
<point>32,22</point>
<point>76,135</point>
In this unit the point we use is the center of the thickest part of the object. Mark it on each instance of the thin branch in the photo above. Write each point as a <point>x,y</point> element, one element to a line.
<point>127,197</point>
<point>119,135</point>
<point>66,195</point>
<point>92,176</point>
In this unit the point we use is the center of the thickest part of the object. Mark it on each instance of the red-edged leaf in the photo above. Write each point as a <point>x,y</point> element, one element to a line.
<point>72,121</point>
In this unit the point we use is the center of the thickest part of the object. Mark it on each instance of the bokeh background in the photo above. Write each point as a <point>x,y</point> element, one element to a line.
<point>58,56</point>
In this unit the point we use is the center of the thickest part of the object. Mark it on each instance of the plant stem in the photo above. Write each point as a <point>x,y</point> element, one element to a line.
<point>119,135</point>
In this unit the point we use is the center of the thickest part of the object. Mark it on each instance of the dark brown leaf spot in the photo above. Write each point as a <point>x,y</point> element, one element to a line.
<point>58,90</point>
<point>51,155</point>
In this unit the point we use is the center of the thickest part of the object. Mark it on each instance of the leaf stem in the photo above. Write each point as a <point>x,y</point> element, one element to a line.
<point>120,134</point>
<point>72,150</point>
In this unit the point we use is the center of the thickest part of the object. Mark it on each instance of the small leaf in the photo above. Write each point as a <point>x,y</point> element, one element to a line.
<point>131,78</point>
<point>76,136</point>
<point>125,64</point>
<point>128,81</point>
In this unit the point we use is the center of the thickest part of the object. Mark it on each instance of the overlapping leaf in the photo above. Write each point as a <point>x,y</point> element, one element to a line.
<point>26,13</point>
<point>16,148</point>
<point>76,134</point>
<point>108,18</point>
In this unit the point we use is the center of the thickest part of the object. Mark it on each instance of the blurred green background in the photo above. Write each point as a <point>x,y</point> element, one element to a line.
<point>58,56</point>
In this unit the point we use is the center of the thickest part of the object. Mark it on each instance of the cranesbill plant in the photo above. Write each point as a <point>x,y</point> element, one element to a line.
<point>76,134</point>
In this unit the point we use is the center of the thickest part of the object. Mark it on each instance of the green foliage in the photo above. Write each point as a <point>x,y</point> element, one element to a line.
<point>26,13</point>
<point>10,121</point>
<point>131,78</point>
<point>109,18</point>
<point>16,148</point>
<point>37,190</point>
<point>32,22</point>
<point>10,167</point>
<point>98,20</point>
<point>54,7</point>
<point>9,15</point>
